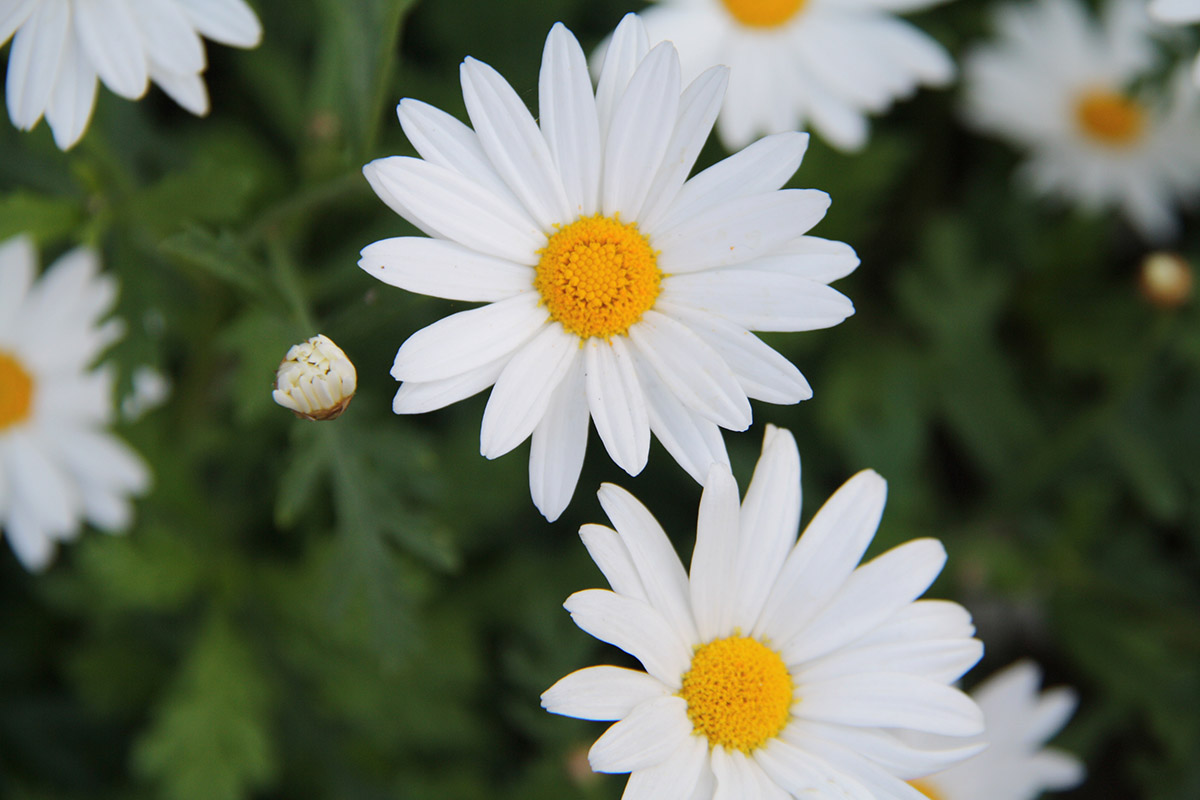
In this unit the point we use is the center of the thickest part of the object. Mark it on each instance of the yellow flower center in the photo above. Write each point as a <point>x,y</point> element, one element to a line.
<point>597,276</point>
<point>16,391</point>
<point>739,693</point>
<point>924,788</point>
<point>764,13</point>
<point>1110,118</point>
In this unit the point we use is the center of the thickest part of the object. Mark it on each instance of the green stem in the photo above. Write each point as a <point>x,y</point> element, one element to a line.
<point>287,278</point>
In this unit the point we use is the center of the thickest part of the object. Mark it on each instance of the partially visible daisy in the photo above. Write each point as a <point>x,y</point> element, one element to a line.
<point>1062,86</point>
<point>59,466</point>
<point>61,47</point>
<point>827,63</point>
<point>1178,12</point>
<point>616,289</point>
<point>776,667</point>
<point>1015,765</point>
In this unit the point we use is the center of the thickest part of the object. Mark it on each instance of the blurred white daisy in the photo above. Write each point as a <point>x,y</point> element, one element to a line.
<point>616,289</point>
<point>58,464</point>
<point>1178,12</point>
<point>777,667</point>
<point>1019,721</point>
<point>1061,85</point>
<point>827,63</point>
<point>61,47</point>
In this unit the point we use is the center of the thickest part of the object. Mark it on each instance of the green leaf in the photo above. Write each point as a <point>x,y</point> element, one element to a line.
<point>43,218</point>
<point>218,256</point>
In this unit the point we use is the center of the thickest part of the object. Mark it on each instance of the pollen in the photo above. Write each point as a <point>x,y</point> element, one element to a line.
<point>925,789</point>
<point>763,13</point>
<point>597,276</point>
<point>1110,118</point>
<point>16,391</point>
<point>738,693</point>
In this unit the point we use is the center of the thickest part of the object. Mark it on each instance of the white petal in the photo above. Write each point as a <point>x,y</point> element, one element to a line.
<point>415,397</point>
<point>99,458</point>
<point>890,700</point>
<point>759,301</point>
<point>888,751</point>
<point>611,555</point>
<point>802,773</point>
<point>441,139</point>
<point>879,784</point>
<point>741,778</point>
<point>924,619</point>
<point>13,14</point>
<point>827,552</point>
<point>568,119</point>
<point>635,627</point>
<point>603,693</point>
<point>617,403</point>
<point>110,37</point>
<point>647,737</point>
<point>17,264</point>
<point>811,257</point>
<point>468,339</point>
<point>513,143</point>
<point>72,99</point>
<point>230,22</point>
<point>448,205</point>
<point>654,557</point>
<point>714,559</point>
<point>524,389</point>
<point>185,88</point>
<point>168,36</point>
<point>41,486</point>
<point>642,123</point>
<point>941,660</point>
<point>692,440</point>
<point>626,50</point>
<point>33,61</point>
<point>559,442</point>
<point>682,775</point>
<point>444,269</point>
<point>30,543</point>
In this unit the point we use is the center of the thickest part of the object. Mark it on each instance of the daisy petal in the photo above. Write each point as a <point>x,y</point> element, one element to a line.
<point>110,37</point>
<point>568,119</point>
<point>890,700</point>
<point>168,35</point>
<point>460,342</point>
<point>635,627</point>
<point>895,756</point>
<point>648,736</point>
<point>601,693</point>
<point>941,660</point>
<point>739,777</point>
<point>626,50</point>
<point>524,389</point>
<point>230,22</point>
<point>42,485</point>
<point>715,557</point>
<point>611,555</point>
<point>879,784</point>
<point>34,59</point>
<point>13,14</point>
<point>692,440</point>
<point>439,268</point>
<point>32,545</point>
<point>811,257</point>
<point>72,99</point>
<point>801,773</point>
<point>617,403</point>
<point>759,301</point>
<point>559,442</point>
<point>186,89</point>
<point>414,397</point>
<point>17,260</point>
<point>443,140</point>
<point>681,775</point>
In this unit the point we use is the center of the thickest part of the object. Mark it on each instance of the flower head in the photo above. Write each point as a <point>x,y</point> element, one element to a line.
<point>60,48</point>
<point>825,63</point>
<point>776,667</point>
<point>58,464</point>
<point>1015,765</point>
<point>1060,85</point>
<point>616,289</point>
<point>316,380</point>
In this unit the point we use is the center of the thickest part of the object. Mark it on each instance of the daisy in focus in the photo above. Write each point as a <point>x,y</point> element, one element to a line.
<point>58,464</point>
<point>1060,85</point>
<point>1015,765</point>
<point>776,667</point>
<point>616,288</point>
<point>60,48</point>
<point>1178,12</point>
<point>827,63</point>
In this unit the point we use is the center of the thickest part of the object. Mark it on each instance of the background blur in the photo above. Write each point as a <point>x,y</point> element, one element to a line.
<point>368,609</point>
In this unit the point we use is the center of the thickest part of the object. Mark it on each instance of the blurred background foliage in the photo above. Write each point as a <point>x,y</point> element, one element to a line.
<point>369,609</point>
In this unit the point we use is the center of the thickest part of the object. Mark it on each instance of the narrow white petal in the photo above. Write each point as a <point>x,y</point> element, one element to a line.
<point>683,775</point>
<point>524,390</point>
<point>13,14</point>
<point>168,36</point>
<point>41,485</point>
<point>626,49</point>
<point>941,660</point>
<point>714,558</point>
<point>739,777</point>
<point>17,263</point>
<point>110,37</point>
<point>1055,770</point>
<point>617,403</point>
<point>662,574</point>
<point>445,203</point>
<point>647,737</point>
<point>603,693</point>
<point>33,61</point>
<point>439,268</point>
<point>443,140</point>
<point>759,301</point>
<point>72,99</point>
<point>888,751</point>
<point>811,257</point>
<point>804,774</point>
<point>691,439</point>
<point>890,700</point>
<point>568,121</point>
<point>827,552</point>
<point>924,619</point>
<point>559,442</point>
<point>879,784</point>
<point>513,143</point>
<point>468,339</point>
<point>611,555</point>
<point>417,397</point>
<point>99,458</point>
<point>230,22</point>
<point>30,542</point>
<point>642,123</point>
<point>185,88</point>
<point>635,627</point>
<point>764,166</point>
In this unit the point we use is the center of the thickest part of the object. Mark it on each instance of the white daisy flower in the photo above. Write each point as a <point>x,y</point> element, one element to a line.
<point>616,289</point>
<point>1178,12</point>
<point>1060,85</point>
<point>61,47</point>
<point>778,667</point>
<point>798,62</point>
<point>58,464</point>
<point>1015,765</point>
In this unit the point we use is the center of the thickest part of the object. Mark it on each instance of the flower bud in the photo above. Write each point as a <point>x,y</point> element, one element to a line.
<point>1165,280</point>
<point>316,380</point>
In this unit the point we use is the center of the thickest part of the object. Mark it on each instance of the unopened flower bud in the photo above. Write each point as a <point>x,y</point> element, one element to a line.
<point>316,380</point>
<point>1166,280</point>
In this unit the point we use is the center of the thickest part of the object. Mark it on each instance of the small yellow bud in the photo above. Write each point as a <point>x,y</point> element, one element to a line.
<point>316,380</point>
<point>1166,280</point>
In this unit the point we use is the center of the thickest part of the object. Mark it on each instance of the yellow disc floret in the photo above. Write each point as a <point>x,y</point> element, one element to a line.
<point>763,13</point>
<point>925,789</point>
<point>738,693</point>
<point>1110,118</point>
<point>16,391</point>
<point>597,276</point>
